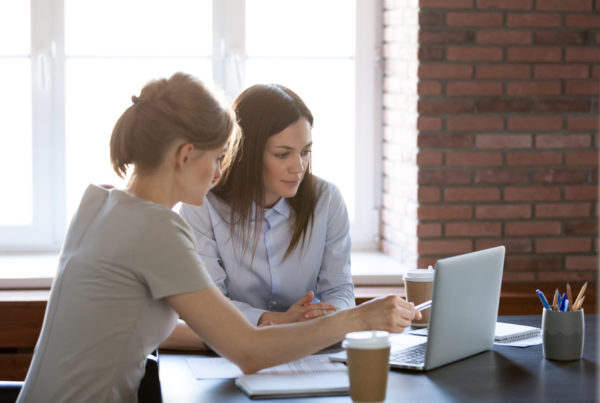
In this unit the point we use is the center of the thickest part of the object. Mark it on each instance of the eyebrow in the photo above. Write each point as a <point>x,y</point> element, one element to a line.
<point>292,148</point>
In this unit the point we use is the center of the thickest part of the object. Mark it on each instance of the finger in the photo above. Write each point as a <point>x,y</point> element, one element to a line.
<point>315,314</point>
<point>307,299</point>
<point>322,306</point>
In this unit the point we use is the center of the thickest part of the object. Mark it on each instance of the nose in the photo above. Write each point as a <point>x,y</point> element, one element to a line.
<point>218,173</point>
<point>298,165</point>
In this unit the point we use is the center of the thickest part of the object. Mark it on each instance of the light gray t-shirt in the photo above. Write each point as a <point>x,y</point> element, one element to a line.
<point>107,312</point>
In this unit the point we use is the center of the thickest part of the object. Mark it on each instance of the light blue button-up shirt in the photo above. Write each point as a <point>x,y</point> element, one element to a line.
<point>270,283</point>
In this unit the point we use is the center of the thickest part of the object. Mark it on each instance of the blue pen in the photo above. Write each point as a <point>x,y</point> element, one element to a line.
<point>559,302</point>
<point>566,303</point>
<point>543,299</point>
<point>563,300</point>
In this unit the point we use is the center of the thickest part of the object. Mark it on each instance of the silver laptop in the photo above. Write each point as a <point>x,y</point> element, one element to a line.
<point>462,321</point>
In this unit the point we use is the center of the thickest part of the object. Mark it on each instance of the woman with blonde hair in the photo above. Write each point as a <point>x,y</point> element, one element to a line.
<point>128,266</point>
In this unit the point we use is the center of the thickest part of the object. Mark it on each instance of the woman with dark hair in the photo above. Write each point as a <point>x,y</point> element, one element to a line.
<point>274,237</point>
<point>128,266</point>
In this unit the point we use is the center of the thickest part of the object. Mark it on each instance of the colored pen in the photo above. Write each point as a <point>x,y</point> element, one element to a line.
<point>581,292</point>
<point>555,300</point>
<point>543,299</point>
<point>566,305</point>
<point>560,299</point>
<point>570,295</point>
<point>561,306</point>
<point>578,305</point>
<point>423,306</point>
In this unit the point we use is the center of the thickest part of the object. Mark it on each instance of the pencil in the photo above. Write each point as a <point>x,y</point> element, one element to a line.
<point>555,301</point>
<point>581,292</point>
<point>579,304</point>
<point>570,296</point>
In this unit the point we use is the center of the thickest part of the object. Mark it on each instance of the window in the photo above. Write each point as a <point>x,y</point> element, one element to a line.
<point>70,67</point>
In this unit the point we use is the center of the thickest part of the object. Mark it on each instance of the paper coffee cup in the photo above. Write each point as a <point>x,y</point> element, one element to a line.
<point>368,365</point>
<point>418,286</point>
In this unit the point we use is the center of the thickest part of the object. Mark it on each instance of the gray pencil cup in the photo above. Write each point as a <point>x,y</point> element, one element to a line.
<point>562,334</point>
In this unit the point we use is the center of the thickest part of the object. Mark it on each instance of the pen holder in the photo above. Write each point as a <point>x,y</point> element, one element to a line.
<point>562,334</point>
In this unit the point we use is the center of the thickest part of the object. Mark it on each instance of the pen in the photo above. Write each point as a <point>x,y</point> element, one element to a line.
<point>560,298</point>
<point>423,306</point>
<point>565,305</point>
<point>543,299</point>
<point>570,295</point>
<point>563,300</point>
<point>555,301</point>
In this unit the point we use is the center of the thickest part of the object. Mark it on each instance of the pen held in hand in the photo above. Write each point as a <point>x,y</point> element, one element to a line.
<point>423,306</point>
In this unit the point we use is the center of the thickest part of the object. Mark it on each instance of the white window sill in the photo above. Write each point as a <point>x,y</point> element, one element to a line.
<point>37,271</point>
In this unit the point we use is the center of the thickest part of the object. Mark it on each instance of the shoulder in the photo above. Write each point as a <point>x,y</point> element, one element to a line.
<point>327,191</point>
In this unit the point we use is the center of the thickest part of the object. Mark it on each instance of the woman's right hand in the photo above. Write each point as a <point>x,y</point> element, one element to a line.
<point>302,310</point>
<point>390,313</point>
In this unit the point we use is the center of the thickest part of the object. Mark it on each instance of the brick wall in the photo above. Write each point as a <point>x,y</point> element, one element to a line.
<point>507,142</point>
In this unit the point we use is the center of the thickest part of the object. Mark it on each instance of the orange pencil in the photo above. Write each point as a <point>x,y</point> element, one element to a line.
<point>570,296</point>
<point>555,301</point>
<point>581,292</point>
<point>579,304</point>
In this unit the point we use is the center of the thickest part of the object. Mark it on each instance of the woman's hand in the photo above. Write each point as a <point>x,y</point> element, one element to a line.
<point>301,310</point>
<point>390,313</point>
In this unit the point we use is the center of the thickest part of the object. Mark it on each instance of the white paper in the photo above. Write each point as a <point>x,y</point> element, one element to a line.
<point>529,341</point>
<point>221,368</point>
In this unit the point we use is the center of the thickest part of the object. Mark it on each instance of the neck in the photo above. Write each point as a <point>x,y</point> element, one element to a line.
<point>152,188</point>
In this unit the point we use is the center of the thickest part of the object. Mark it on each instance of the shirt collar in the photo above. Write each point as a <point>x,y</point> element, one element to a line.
<point>282,207</point>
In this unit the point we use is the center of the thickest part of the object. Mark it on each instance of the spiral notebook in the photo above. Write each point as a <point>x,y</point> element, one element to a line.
<point>507,332</point>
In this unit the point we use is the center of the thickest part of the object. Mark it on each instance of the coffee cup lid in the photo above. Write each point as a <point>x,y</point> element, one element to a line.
<point>420,274</point>
<point>371,339</point>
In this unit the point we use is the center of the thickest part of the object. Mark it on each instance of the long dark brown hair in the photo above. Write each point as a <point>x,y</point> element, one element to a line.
<point>263,111</point>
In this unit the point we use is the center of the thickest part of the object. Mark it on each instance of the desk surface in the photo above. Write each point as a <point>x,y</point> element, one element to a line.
<point>500,375</point>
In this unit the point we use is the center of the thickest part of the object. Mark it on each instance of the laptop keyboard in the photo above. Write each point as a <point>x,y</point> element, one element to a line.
<point>410,355</point>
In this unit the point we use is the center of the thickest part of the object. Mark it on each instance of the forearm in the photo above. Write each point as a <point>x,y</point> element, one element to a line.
<point>183,338</point>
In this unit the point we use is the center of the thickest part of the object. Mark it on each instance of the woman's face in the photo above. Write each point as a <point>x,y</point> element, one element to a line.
<point>285,160</point>
<point>203,169</point>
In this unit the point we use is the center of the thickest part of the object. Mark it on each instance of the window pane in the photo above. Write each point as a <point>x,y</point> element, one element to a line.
<point>138,27</point>
<point>327,88</point>
<point>97,93</point>
<point>300,28</point>
<point>15,142</point>
<point>15,27</point>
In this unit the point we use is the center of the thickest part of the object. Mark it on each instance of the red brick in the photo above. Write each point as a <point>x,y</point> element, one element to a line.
<point>532,193</point>
<point>428,35</point>
<point>563,245</point>
<point>582,158</point>
<point>467,88</point>
<point>535,123</point>
<point>445,70</point>
<point>445,105</point>
<point>533,158</point>
<point>474,123</point>
<point>581,227</point>
<point>533,263</point>
<point>563,141</point>
<point>554,276</point>
<point>555,176</point>
<point>429,87</point>
<point>533,20</point>
<point>429,18</point>
<point>562,5</point>
<point>596,72</point>
<point>496,176</point>
<point>503,37</point>
<point>503,211</point>
<point>582,87</point>
<point>581,192</point>
<point>438,177</point>
<point>430,230</point>
<point>582,263</point>
<point>563,210</point>
<point>504,105</point>
<point>472,229</point>
<point>505,4</point>
<point>555,37</point>
<point>562,105</point>
<point>503,71</point>
<point>503,141</point>
<point>431,53</point>
<point>444,212</point>
<point>520,228</point>
<point>428,123</point>
<point>582,54</point>
<point>582,20</point>
<point>583,123</point>
<point>445,3</point>
<point>429,158</point>
<point>476,158</point>
<point>517,277</point>
<point>428,194</point>
<point>428,261</point>
<point>513,245</point>
<point>462,54</point>
<point>471,194</point>
<point>517,88</point>
<point>561,71</point>
<point>533,54</point>
<point>447,247</point>
<point>466,19</point>
<point>444,141</point>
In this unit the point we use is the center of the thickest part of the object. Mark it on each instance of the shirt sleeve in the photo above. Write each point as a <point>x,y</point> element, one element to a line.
<point>199,218</point>
<point>335,279</point>
<point>166,259</point>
